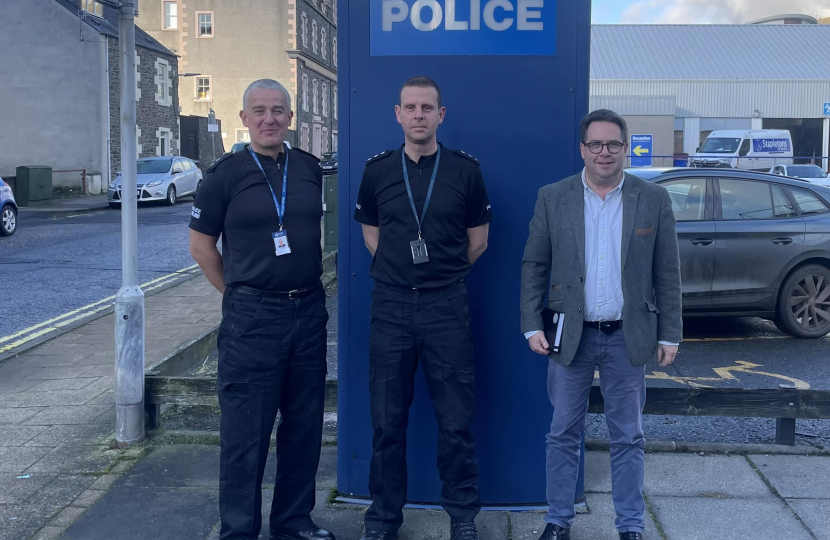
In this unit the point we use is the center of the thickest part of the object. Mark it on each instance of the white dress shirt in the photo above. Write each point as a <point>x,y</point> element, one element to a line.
<point>603,255</point>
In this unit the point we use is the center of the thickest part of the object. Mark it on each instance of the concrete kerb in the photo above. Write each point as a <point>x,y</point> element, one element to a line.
<point>682,447</point>
<point>83,322</point>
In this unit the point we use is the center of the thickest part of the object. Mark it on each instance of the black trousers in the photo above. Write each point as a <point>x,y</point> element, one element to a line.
<point>433,327</point>
<point>272,356</point>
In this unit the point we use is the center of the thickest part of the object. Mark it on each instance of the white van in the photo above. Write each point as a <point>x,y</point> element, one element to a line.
<point>758,150</point>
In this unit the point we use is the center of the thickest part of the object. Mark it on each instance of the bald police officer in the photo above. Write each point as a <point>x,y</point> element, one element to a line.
<point>425,218</point>
<point>266,203</point>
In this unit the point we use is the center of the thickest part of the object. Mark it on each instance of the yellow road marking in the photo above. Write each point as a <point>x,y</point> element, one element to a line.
<point>60,321</point>
<point>685,340</point>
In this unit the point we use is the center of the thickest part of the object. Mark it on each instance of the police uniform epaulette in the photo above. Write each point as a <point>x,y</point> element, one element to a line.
<point>464,154</point>
<point>309,154</point>
<point>220,160</point>
<point>380,156</point>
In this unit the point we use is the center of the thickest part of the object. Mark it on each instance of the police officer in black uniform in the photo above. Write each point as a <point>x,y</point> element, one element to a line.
<point>266,203</point>
<point>425,218</point>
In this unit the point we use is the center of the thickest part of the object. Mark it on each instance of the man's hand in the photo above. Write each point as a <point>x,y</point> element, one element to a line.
<point>539,344</point>
<point>665,354</point>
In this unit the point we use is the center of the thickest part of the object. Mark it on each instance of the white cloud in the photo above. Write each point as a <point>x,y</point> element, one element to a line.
<point>718,11</point>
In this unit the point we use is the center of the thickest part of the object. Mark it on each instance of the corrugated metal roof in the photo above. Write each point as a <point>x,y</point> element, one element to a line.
<point>710,52</point>
<point>636,105</point>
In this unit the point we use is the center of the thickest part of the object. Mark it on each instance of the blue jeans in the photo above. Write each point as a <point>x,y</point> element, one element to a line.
<point>624,391</point>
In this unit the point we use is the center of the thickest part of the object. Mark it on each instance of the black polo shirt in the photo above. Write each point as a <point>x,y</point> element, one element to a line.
<point>234,201</point>
<point>459,202</point>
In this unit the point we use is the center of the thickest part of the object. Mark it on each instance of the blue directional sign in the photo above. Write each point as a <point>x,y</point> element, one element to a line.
<point>642,150</point>
<point>463,27</point>
<point>827,109</point>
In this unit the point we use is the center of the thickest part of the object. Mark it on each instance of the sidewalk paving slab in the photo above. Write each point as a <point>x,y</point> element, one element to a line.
<point>796,476</point>
<point>695,518</point>
<point>815,513</point>
<point>692,475</point>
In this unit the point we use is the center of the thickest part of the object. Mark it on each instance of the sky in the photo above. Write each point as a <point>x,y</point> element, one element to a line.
<point>700,11</point>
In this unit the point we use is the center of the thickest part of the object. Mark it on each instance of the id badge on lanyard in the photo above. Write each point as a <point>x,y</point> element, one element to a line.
<point>420,254</point>
<point>280,237</point>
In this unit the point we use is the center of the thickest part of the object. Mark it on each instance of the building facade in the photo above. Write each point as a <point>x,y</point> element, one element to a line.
<point>62,106</point>
<point>223,47</point>
<point>773,77</point>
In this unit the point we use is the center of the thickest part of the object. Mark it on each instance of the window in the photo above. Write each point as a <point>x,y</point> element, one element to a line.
<point>334,51</point>
<point>808,203</point>
<point>744,148</point>
<point>243,136</point>
<point>203,89</point>
<point>314,36</point>
<point>781,203</point>
<point>188,165</point>
<point>334,101</point>
<point>688,198</point>
<point>334,141</point>
<point>325,99</point>
<point>325,139</point>
<point>304,29</point>
<point>721,145</point>
<point>305,92</point>
<point>171,16</point>
<point>92,7</point>
<point>678,141</point>
<point>164,83</point>
<point>314,94</point>
<point>742,199</point>
<point>205,19</point>
<point>305,143</point>
<point>323,44</point>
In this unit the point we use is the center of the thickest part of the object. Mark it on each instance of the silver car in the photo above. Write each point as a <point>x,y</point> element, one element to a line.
<point>165,178</point>
<point>811,173</point>
<point>752,245</point>
<point>8,210</point>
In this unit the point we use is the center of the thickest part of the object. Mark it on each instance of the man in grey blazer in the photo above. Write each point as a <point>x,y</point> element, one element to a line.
<point>603,250</point>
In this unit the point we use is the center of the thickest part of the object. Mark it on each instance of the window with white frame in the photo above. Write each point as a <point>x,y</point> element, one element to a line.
<point>165,138</point>
<point>314,36</point>
<point>203,89</point>
<point>325,99</point>
<point>334,51</point>
<point>314,95</point>
<point>92,7</point>
<point>334,100</point>
<point>305,142</point>
<point>242,135</point>
<point>137,77</point>
<point>170,16</point>
<point>325,139</point>
<point>304,29</point>
<point>323,43</point>
<point>164,83</point>
<point>334,141</point>
<point>305,92</point>
<point>205,24</point>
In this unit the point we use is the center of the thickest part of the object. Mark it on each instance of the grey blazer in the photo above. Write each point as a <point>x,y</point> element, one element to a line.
<point>554,264</point>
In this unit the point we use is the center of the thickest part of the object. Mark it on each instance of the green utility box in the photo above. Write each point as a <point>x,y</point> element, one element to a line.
<point>34,183</point>
<point>330,212</point>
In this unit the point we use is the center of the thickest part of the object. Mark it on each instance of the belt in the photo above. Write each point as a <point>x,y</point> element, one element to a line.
<point>288,295</point>
<point>607,327</point>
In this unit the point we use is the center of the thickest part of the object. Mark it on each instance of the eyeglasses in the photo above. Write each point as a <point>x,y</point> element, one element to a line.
<point>614,147</point>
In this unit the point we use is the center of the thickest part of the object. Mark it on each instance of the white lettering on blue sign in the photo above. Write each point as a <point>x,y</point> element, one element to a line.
<point>827,109</point>
<point>771,145</point>
<point>463,27</point>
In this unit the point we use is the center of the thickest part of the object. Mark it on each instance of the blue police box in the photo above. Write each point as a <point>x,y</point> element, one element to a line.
<point>514,76</point>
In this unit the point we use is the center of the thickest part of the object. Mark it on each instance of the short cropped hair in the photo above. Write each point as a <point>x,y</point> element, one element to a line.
<point>421,81</point>
<point>269,84</point>
<point>602,115</point>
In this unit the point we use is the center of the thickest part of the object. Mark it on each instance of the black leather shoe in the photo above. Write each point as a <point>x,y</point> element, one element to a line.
<point>379,535</point>
<point>313,534</point>
<point>555,532</point>
<point>631,536</point>
<point>464,531</point>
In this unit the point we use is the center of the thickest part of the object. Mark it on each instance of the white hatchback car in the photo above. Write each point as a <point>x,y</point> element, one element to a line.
<point>811,173</point>
<point>165,178</point>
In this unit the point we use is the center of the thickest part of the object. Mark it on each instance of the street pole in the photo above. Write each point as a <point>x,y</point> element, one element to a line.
<point>129,306</point>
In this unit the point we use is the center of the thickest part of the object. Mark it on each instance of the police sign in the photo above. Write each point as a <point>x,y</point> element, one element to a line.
<point>463,27</point>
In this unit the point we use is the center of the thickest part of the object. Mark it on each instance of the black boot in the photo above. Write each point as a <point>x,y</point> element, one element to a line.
<point>379,535</point>
<point>631,536</point>
<point>311,534</point>
<point>555,532</point>
<point>464,531</point>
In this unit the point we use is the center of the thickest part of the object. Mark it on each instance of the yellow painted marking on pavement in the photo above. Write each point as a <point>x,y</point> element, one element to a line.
<point>735,338</point>
<point>45,327</point>
<point>723,374</point>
